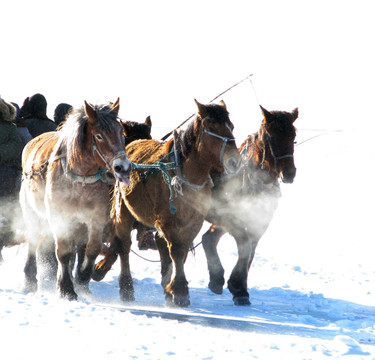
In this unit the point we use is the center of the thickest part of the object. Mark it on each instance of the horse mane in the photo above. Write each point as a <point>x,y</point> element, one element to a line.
<point>186,139</point>
<point>73,131</point>
<point>282,120</point>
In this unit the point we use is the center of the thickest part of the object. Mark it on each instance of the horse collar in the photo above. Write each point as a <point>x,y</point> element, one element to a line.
<point>101,175</point>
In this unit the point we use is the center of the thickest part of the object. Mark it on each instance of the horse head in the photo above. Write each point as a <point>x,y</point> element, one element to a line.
<point>108,140</point>
<point>216,137</point>
<point>277,134</point>
<point>136,131</point>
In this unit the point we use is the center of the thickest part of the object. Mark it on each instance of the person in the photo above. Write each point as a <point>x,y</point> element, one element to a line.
<point>22,129</point>
<point>34,112</point>
<point>61,111</point>
<point>10,149</point>
<point>10,164</point>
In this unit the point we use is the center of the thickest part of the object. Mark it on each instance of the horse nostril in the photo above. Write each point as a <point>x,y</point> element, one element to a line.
<point>231,165</point>
<point>118,168</point>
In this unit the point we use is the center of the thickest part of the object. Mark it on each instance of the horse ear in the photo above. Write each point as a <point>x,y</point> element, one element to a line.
<point>222,104</point>
<point>90,112</point>
<point>148,122</point>
<point>125,127</point>
<point>202,110</point>
<point>116,106</point>
<point>267,115</point>
<point>294,114</point>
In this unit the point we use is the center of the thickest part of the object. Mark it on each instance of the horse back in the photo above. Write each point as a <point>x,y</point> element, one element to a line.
<point>147,151</point>
<point>37,151</point>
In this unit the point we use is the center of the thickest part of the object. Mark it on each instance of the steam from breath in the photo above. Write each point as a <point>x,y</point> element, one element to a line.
<point>247,208</point>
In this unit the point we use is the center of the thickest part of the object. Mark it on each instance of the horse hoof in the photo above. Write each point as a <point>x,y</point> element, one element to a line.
<point>68,295</point>
<point>98,274</point>
<point>241,301</point>
<point>30,287</point>
<point>127,296</point>
<point>180,301</point>
<point>215,288</point>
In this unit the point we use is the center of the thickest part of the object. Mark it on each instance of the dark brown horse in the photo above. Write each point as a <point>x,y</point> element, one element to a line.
<point>65,189</point>
<point>174,200</point>
<point>243,206</point>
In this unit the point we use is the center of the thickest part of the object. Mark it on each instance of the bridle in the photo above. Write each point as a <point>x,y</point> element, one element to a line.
<point>275,158</point>
<point>224,139</point>
<point>109,164</point>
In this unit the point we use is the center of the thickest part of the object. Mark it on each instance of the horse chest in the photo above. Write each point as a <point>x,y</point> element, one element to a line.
<point>76,198</point>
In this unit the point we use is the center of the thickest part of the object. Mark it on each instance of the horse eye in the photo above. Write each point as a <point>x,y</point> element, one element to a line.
<point>98,137</point>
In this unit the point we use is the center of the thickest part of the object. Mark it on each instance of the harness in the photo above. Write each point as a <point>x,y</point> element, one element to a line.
<point>176,182</point>
<point>102,175</point>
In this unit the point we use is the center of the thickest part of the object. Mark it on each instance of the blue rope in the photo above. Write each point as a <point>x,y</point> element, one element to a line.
<point>163,167</point>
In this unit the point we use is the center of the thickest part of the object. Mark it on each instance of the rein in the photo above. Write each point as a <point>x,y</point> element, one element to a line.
<point>166,136</point>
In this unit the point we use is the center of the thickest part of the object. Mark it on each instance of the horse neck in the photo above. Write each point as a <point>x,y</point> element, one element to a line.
<point>260,156</point>
<point>83,162</point>
<point>195,169</point>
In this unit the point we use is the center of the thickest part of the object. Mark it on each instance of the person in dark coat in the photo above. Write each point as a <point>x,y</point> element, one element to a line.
<point>34,112</point>
<point>10,148</point>
<point>22,129</point>
<point>10,164</point>
<point>61,111</point>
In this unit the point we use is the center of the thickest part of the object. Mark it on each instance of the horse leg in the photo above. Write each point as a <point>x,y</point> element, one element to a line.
<point>216,271</point>
<point>47,256</point>
<point>123,230</point>
<point>237,283</point>
<point>166,261</point>
<point>93,247</point>
<point>64,253</point>
<point>110,254</point>
<point>30,270</point>
<point>177,291</point>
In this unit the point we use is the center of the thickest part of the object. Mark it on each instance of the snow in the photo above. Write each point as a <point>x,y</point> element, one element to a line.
<point>311,284</point>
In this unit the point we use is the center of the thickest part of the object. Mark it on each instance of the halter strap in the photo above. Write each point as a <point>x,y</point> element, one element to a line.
<point>275,158</point>
<point>223,138</point>
<point>107,164</point>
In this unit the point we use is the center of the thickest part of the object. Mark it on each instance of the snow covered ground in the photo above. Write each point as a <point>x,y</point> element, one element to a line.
<point>311,284</point>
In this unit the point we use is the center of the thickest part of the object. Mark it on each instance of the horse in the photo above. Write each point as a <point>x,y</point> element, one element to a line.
<point>133,130</point>
<point>244,205</point>
<point>173,197</point>
<point>64,189</point>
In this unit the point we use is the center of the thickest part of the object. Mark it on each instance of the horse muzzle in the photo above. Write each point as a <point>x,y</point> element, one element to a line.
<point>232,165</point>
<point>121,170</point>
<point>287,175</point>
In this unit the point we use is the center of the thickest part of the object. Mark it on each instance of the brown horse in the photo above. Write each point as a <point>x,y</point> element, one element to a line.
<point>206,144</point>
<point>243,206</point>
<point>65,184</point>
<point>46,250</point>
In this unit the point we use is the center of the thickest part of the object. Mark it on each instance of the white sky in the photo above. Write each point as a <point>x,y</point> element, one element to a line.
<point>157,56</point>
